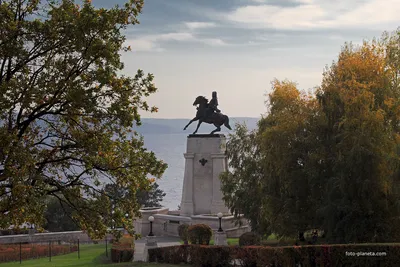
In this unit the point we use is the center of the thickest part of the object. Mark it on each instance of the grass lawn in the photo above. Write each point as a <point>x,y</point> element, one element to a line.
<point>91,255</point>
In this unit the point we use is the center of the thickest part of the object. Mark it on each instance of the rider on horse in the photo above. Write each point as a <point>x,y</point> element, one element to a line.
<point>212,106</point>
<point>205,113</point>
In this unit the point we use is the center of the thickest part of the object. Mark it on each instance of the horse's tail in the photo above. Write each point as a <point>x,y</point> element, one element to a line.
<point>226,123</point>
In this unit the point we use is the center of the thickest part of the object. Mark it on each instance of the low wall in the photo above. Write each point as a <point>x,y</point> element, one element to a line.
<point>46,237</point>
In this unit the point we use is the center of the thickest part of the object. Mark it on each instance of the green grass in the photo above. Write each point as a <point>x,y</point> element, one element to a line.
<point>90,255</point>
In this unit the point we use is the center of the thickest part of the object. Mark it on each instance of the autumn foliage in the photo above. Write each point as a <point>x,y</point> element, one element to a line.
<point>66,114</point>
<point>329,159</point>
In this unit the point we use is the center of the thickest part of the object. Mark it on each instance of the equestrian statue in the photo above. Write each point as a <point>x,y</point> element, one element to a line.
<point>209,113</point>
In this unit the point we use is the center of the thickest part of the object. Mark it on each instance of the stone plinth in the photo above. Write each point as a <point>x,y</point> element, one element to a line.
<point>220,239</point>
<point>151,242</point>
<point>205,160</point>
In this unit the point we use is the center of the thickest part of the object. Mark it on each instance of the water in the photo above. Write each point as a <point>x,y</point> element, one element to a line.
<point>170,144</point>
<point>170,149</point>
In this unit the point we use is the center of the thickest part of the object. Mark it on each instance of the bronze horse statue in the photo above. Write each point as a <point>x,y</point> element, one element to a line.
<point>202,116</point>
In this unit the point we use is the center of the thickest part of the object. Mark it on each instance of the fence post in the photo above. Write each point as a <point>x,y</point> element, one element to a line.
<point>79,250</point>
<point>20,252</point>
<point>49,250</point>
<point>106,248</point>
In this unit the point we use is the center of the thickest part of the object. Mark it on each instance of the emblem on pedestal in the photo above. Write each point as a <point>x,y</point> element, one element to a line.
<point>203,161</point>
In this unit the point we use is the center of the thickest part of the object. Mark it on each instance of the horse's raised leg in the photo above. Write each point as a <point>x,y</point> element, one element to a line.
<point>190,122</point>
<point>198,125</point>
<point>216,130</point>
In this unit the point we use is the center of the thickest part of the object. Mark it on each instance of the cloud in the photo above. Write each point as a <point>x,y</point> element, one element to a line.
<point>199,25</point>
<point>269,16</point>
<point>153,42</point>
<point>213,41</point>
<point>312,14</point>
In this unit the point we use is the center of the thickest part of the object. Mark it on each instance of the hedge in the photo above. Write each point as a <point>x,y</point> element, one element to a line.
<point>122,252</point>
<point>252,256</point>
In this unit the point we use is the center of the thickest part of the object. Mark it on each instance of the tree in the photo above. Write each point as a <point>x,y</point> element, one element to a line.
<point>66,112</point>
<point>288,139</point>
<point>330,160</point>
<point>151,198</point>
<point>59,217</point>
<point>358,98</point>
<point>245,178</point>
<point>147,198</point>
<point>260,163</point>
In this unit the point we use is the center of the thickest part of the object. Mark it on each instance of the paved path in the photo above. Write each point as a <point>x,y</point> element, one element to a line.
<point>162,241</point>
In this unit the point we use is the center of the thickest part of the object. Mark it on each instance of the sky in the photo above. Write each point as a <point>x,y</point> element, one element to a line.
<point>237,47</point>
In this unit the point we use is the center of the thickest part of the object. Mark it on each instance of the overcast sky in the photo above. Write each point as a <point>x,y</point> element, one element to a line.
<point>237,47</point>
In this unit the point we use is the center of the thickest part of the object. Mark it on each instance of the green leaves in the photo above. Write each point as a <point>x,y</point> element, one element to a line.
<point>66,113</point>
<point>326,161</point>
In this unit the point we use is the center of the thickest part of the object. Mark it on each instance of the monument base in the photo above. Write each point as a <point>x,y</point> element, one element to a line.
<point>220,239</point>
<point>166,223</point>
<point>151,242</point>
<point>205,160</point>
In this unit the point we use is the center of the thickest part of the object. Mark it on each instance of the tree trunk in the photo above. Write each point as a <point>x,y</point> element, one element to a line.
<point>301,236</point>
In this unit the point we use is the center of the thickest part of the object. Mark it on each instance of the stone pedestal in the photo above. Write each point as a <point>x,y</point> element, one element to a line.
<point>205,160</point>
<point>220,239</point>
<point>151,242</point>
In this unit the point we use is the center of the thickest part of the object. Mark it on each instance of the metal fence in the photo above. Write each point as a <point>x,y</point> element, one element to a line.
<point>22,251</point>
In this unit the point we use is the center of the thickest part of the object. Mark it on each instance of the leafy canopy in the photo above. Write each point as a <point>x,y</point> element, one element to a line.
<point>328,160</point>
<point>66,112</point>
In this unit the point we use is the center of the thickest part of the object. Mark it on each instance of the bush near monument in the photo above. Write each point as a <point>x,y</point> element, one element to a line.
<point>171,254</point>
<point>122,250</point>
<point>309,255</point>
<point>183,232</point>
<point>199,234</point>
<point>121,253</point>
<point>249,239</point>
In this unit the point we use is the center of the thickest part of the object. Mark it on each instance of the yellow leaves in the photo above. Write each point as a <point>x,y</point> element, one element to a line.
<point>284,94</point>
<point>379,115</point>
<point>389,102</point>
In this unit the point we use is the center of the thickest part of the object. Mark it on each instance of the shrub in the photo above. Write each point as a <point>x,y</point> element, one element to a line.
<point>127,239</point>
<point>247,256</point>
<point>183,232</point>
<point>122,253</point>
<point>211,256</point>
<point>250,256</point>
<point>172,255</point>
<point>249,239</point>
<point>199,234</point>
